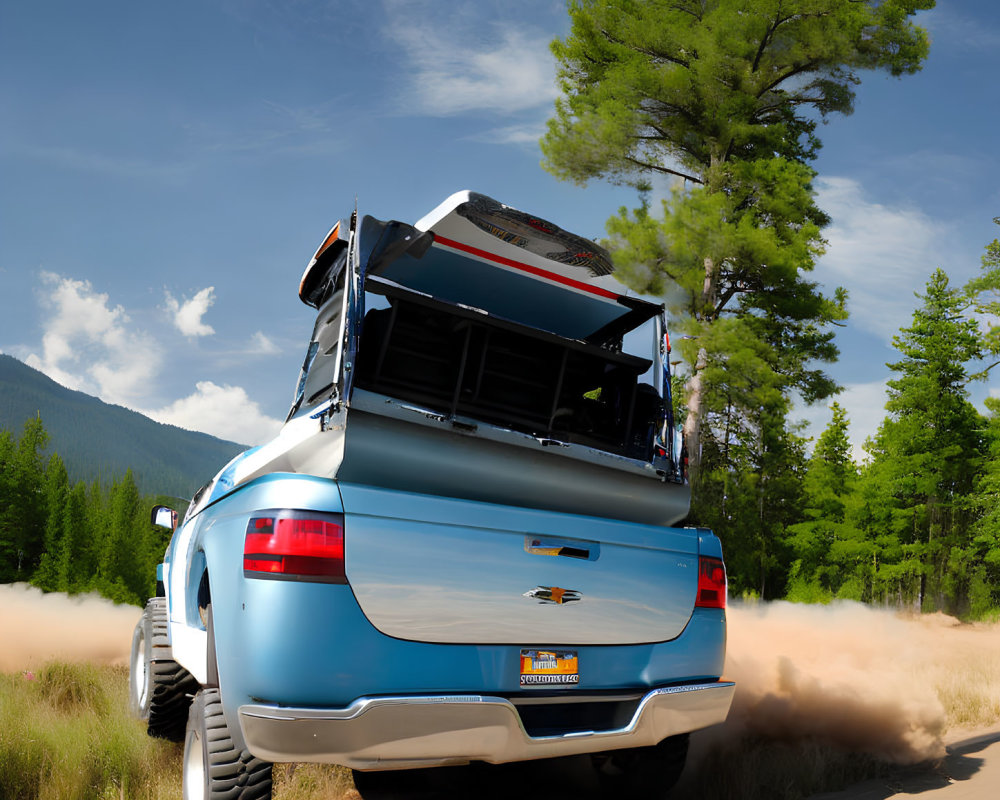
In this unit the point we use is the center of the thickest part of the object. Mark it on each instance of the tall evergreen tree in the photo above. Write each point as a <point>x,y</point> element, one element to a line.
<point>832,557</point>
<point>984,290</point>
<point>46,577</point>
<point>98,524</point>
<point>22,515</point>
<point>76,565</point>
<point>120,563</point>
<point>927,452</point>
<point>8,544</point>
<point>982,565</point>
<point>724,95</point>
<point>752,470</point>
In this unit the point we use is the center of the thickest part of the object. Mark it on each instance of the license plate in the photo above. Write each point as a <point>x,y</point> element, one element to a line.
<point>549,668</point>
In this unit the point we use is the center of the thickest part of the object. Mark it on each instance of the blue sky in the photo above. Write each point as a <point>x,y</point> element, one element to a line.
<point>166,171</point>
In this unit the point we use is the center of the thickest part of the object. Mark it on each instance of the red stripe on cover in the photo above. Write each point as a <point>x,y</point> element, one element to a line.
<point>541,273</point>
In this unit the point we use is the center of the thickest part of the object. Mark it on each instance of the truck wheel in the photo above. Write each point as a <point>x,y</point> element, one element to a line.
<point>214,767</point>
<point>139,676</point>
<point>160,689</point>
<point>642,772</point>
<point>211,761</point>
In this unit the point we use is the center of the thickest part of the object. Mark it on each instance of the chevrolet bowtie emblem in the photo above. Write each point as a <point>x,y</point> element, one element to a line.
<point>553,594</point>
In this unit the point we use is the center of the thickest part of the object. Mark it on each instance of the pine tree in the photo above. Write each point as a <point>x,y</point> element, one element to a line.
<point>8,543</point>
<point>832,557</point>
<point>725,96</point>
<point>46,577</point>
<point>927,453</point>
<point>98,524</point>
<point>751,474</point>
<point>119,565</point>
<point>22,515</point>
<point>984,290</point>
<point>76,567</point>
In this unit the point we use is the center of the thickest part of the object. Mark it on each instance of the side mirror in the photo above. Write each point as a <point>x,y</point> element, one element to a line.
<point>164,517</point>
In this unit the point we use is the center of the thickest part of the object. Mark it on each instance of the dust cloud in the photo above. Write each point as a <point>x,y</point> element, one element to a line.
<point>863,679</point>
<point>37,627</point>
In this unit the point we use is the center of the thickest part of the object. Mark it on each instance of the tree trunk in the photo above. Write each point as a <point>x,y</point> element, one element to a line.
<point>692,424</point>
<point>695,386</point>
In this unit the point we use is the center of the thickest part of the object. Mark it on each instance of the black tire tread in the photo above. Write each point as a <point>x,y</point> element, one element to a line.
<point>223,762</point>
<point>256,777</point>
<point>173,687</point>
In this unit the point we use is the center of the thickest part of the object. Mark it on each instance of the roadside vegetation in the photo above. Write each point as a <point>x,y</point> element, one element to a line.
<point>75,538</point>
<point>719,104</point>
<point>66,734</point>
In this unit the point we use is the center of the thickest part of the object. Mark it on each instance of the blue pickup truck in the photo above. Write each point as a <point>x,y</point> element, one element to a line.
<point>461,546</point>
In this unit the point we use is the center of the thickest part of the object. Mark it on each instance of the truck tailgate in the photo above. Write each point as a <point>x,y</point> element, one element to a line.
<point>436,569</point>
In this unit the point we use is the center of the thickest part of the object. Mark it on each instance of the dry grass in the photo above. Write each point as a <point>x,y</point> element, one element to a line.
<point>65,734</point>
<point>313,782</point>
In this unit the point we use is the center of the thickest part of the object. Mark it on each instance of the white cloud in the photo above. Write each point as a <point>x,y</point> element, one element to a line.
<point>261,345</point>
<point>527,133</point>
<point>223,411</point>
<point>948,25</point>
<point>187,315</point>
<point>880,254</point>
<point>454,69</point>
<point>89,345</point>
<point>865,406</point>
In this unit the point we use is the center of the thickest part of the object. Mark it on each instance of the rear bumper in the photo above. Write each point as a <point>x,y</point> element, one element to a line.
<point>418,731</point>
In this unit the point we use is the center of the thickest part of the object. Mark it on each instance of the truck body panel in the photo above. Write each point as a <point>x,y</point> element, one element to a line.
<point>485,462</point>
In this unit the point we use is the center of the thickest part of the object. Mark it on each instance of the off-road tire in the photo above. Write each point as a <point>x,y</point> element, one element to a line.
<point>170,687</point>
<point>648,773</point>
<point>215,768</point>
<point>256,777</point>
<point>139,678</point>
<point>212,763</point>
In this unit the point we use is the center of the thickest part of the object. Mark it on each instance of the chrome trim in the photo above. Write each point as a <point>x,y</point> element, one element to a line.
<point>417,731</point>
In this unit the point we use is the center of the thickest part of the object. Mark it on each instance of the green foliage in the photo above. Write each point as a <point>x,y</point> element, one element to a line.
<point>726,96</point>
<point>928,451</point>
<point>56,493</point>
<point>832,556</point>
<point>682,86</point>
<point>66,538</point>
<point>22,501</point>
<point>985,505</point>
<point>916,525</point>
<point>66,734</point>
<point>984,290</point>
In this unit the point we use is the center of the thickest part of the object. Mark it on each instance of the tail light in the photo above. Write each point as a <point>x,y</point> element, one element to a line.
<point>711,583</point>
<point>296,546</point>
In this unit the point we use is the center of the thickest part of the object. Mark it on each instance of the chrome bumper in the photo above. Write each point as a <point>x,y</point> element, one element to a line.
<point>404,732</point>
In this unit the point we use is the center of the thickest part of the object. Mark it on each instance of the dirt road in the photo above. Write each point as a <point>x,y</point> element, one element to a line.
<point>970,771</point>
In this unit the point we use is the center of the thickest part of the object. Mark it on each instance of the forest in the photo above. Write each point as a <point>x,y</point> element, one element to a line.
<point>917,524</point>
<point>73,538</point>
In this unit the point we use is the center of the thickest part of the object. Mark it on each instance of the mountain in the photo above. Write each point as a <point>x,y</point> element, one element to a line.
<point>99,441</point>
